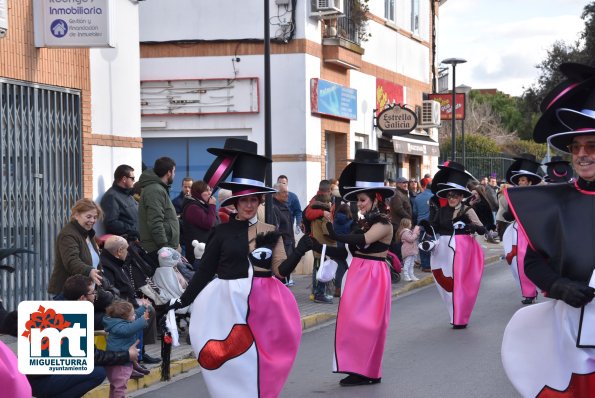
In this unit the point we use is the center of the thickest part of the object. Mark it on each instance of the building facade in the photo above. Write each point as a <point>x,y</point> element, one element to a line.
<point>68,117</point>
<point>202,80</point>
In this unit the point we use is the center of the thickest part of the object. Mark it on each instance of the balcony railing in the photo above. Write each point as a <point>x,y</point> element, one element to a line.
<point>342,28</point>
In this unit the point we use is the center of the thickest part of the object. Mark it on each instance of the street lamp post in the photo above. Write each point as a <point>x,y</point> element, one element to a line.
<point>464,90</point>
<point>454,62</point>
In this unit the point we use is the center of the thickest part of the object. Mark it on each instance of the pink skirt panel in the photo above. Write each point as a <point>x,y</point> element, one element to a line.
<point>363,318</point>
<point>467,272</point>
<point>274,319</point>
<point>528,288</point>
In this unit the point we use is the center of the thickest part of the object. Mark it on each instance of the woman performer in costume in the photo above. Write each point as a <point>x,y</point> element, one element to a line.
<point>457,258</point>
<point>364,309</point>
<point>522,172</point>
<point>558,357</point>
<point>245,324</point>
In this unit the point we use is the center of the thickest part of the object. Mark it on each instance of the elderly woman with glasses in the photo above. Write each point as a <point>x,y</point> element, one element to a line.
<point>457,258</point>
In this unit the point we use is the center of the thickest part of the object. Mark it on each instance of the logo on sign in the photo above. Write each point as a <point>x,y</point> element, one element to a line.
<point>55,337</point>
<point>396,120</point>
<point>59,28</point>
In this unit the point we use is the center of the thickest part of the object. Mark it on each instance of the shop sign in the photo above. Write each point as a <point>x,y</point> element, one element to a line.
<point>414,148</point>
<point>387,93</point>
<point>72,23</point>
<point>327,98</point>
<point>396,120</point>
<point>445,101</point>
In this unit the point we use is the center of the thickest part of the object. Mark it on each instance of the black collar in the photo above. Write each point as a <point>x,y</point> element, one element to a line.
<point>586,185</point>
<point>86,234</point>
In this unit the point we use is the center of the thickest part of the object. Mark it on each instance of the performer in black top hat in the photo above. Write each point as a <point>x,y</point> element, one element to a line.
<point>457,258</point>
<point>558,357</point>
<point>245,325</point>
<point>522,172</point>
<point>364,313</point>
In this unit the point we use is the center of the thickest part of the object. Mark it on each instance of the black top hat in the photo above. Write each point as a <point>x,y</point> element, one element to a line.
<point>222,165</point>
<point>567,94</point>
<point>523,166</point>
<point>558,170</point>
<point>364,174</point>
<point>455,180</point>
<point>238,156</point>
<point>442,176</point>
<point>578,71</point>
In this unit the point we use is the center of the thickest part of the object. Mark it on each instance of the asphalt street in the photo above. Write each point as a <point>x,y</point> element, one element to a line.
<point>424,356</point>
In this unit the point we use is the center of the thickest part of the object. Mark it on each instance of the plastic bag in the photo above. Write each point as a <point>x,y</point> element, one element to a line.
<point>327,269</point>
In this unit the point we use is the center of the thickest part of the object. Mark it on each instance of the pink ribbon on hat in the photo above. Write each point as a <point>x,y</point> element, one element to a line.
<point>220,170</point>
<point>245,192</point>
<point>557,97</point>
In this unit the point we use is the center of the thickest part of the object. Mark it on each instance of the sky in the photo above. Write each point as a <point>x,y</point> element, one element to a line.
<point>504,40</point>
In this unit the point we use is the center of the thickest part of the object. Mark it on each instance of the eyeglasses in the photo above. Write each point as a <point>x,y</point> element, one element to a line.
<point>131,177</point>
<point>93,293</point>
<point>575,148</point>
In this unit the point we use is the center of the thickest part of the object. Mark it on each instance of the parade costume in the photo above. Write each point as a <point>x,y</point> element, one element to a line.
<point>457,259</point>
<point>548,357</point>
<point>245,326</point>
<point>514,241</point>
<point>364,310</point>
<point>558,358</point>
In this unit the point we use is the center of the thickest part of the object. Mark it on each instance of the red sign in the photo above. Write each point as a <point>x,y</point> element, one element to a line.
<point>388,93</point>
<point>445,101</point>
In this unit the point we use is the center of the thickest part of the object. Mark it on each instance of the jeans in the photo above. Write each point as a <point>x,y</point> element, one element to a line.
<point>318,288</point>
<point>424,259</point>
<point>66,386</point>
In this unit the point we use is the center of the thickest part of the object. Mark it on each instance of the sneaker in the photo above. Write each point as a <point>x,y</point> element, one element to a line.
<point>136,375</point>
<point>414,278</point>
<point>406,278</point>
<point>324,299</point>
<point>290,283</point>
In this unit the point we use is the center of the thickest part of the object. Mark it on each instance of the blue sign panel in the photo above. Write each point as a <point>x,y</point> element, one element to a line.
<point>333,99</point>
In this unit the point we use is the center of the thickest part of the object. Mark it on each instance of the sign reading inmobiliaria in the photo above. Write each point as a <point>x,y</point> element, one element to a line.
<point>72,23</point>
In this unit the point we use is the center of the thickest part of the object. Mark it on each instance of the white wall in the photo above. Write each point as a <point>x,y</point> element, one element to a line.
<point>115,93</point>
<point>115,96</point>
<point>366,99</point>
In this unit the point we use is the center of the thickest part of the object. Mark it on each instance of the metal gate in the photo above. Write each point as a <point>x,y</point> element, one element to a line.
<point>40,155</point>
<point>483,165</point>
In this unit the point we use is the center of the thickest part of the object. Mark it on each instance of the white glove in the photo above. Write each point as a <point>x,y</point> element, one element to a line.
<point>298,230</point>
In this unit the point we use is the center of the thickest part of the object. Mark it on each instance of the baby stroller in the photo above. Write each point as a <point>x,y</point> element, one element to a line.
<point>394,265</point>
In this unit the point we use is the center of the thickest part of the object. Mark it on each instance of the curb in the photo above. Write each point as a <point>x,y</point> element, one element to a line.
<point>177,367</point>
<point>186,364</point>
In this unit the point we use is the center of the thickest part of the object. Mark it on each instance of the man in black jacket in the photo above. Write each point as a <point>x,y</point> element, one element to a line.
<point>119,207</point>
<point>284,221</point>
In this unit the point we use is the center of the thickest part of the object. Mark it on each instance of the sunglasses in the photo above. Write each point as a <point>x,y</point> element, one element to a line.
<point>452,195</point>
<point>132,178</point>
<point>575,148</point>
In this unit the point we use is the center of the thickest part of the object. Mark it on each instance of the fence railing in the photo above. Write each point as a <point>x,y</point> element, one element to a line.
<point>482,165</point>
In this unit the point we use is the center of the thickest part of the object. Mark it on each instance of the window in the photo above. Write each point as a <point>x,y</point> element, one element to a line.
<point>415,17</point>
<point>389,10</point>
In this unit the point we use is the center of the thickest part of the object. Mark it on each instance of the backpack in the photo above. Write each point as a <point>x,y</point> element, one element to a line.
<point>306,224</point>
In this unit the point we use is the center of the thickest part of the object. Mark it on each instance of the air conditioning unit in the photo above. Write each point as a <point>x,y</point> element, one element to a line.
<point>3,17</point>
<point>430,114</point>
<point>326,8</point>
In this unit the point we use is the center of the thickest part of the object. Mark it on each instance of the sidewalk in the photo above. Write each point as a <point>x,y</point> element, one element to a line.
<point>312,314</point>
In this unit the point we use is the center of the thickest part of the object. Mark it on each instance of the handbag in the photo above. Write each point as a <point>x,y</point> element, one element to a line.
<point>327,269</point>
<point>428,242</point>
<point>150,290</point>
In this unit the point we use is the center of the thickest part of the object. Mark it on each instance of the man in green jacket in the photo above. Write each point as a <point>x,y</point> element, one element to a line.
<point>157,219</point>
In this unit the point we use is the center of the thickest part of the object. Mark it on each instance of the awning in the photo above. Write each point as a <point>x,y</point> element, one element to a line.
<point>416,144</point>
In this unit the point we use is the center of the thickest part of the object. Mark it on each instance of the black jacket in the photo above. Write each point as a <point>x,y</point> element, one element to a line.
<point>120,212</point>
<point>283,222</point>
<point>116,271</point>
